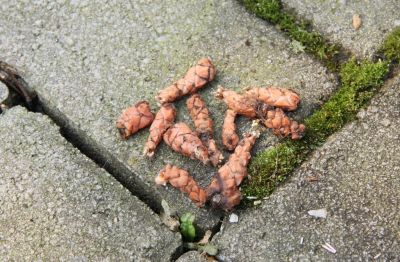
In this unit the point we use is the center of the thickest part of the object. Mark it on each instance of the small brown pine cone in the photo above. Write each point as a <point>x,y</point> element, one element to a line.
<point>134,118</point>
<point>181,179</point>
<point>164,119</point>
<point>204,126</point>
<point>282,125</point>
<point>242,105</point>
<point>223,191</point>
<point>183,140</point>
<point>230,138</point>
<point>196,77</point>
<point>200,115</point>
<point>275,96</point>
<point>215,155</point>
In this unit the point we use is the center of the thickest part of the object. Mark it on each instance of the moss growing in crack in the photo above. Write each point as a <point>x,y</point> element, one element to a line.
<point>391,46</point>
<point>360,82</point>
<point>314,43</point>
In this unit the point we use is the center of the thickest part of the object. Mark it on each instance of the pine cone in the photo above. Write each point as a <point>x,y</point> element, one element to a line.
<point>164,119</point>
<point>204,126</point>
<point>230,139</point>
<point>276,97</point>
<point>183,140</point>
<point>282,125</point>
<point>240,104</point>
<point>181,179</point>
<point>195,78</point>
<point>223,191</point>
<point>134,118</point>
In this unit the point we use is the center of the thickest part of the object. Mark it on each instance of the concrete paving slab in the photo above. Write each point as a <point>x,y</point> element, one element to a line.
<point>334,19</point>
<point>192,256</point>
<point>3,93</point>
<point>358,183</point>
<point>90,59</point>
<point>57,205</point>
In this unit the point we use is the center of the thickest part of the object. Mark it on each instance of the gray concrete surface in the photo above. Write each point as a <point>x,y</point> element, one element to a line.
<point>3,93</point>
<point>90,59</point>
<point>358,184</point>
<point>57,205</point>
<point>333,18</point>
<point>192,256</point>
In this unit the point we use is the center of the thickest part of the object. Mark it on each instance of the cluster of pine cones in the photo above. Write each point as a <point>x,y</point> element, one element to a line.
<point>266,104</point>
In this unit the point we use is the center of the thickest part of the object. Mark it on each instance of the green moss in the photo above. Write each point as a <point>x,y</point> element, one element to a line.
<point>359,82</point>
<point>298,30</point>
<point>391,46</point>
<point>269,168</point>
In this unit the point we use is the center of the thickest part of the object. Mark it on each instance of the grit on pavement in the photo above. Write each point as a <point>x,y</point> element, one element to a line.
<point>88,60</point>
<point>56,204</point>
<point>358,181</point>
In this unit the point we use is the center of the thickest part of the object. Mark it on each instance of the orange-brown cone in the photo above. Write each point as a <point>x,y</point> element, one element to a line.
<point>181,179</point>
<point>204,126</point>
<point>282,125</point>
<point>223,191</point>
<point>240,104</point>
<point>134,118</point>
<point>183,140</point>
<point>195,78</point>
<point>164,119</point>
<point>230,139</point>
<point>275,96</point>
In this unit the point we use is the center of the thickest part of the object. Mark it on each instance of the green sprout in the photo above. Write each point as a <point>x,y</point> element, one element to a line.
<point>187,228</point>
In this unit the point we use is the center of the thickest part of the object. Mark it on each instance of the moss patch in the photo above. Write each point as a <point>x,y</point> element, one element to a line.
<point>360,82</point>
<point>296,29</point>
<point>391,46</point>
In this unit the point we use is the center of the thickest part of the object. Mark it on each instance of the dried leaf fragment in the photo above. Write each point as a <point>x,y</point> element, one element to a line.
<point>134,118</point>
<point>164,119</point>
<point>195,78</point>
<point>181,180</point>
<point>183,140</point>
<point>356,21</point>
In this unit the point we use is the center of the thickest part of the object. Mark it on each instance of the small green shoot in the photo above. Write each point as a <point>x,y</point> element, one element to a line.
<point>187,228</point>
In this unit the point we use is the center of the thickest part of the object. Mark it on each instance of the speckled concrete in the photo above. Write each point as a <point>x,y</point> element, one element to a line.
<point>57,205</point>
<point>90,59</point>
<point>333,18</point>
<point>358,183</point>
<point>3,93</point>
<point>192,256</point>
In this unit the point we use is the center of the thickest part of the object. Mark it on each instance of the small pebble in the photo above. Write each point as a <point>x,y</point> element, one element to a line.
<point>257,202</point>
<point>385,122</point>
<point>233,218</point>
<point>362,114</point>
<point>356,21</point>
<point>321,213</point>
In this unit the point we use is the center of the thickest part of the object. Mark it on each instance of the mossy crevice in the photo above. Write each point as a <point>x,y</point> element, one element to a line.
<point>391,46</point>
<point>359,82</point>
<point>299,30</point>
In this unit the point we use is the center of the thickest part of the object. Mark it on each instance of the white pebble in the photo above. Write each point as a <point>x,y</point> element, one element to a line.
<point>233,218</point>
<point>318,213</point>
